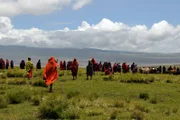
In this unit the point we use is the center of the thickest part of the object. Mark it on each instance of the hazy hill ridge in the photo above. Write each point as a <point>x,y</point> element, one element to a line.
<point>17,53</point>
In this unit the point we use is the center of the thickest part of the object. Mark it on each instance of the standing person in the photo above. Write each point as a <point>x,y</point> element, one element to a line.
<point>50,72</point>
<point>61,65</point>
<point>7,63</point>
<point>89,69</point>
<point>38,65</point>
<point>74,68</point>
<point>2,64</point>
<point>22,64</point>
<point>12,64</point>
<point>29,68</point>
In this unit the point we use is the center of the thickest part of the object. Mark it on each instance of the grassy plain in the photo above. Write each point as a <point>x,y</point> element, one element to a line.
<point>119,96</point>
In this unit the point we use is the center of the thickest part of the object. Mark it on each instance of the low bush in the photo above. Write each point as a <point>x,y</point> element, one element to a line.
<point>144,96</point>
<point>136,78</point>
<point>84,103</point>
<point>17,81</point>
<point>38,73</point>
<point>40,83</point>
<point>119,104</point>
<point>109,78</point>
<point>96,112</point>
<point>93,96</point>
<point>15,74</point>
<point>61,74</point>
<point>153,100</point>
<point>3,102</point>
<point>114,115</point>
<point>36,100</point>
<point>72,113</point>
<point>2,81</point>
<point>169,81</point>
<point>72,94</point>
<point>53,108</point>
<point>142,108</point>
<point>3,76</point>
<point>18,96</point>
<point>137,115</point>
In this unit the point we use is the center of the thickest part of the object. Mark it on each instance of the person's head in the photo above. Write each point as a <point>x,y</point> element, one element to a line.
<point>74,59</point>
<point>29,58</point>
<point>89,61</point>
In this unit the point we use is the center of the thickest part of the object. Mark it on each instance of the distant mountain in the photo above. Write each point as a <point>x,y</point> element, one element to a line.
<point>18,53</point>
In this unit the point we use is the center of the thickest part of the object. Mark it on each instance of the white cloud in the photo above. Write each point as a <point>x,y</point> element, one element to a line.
<point>34,7</point>
<point>81,3</point>
<point>37,7</point>
<point>161,37</point>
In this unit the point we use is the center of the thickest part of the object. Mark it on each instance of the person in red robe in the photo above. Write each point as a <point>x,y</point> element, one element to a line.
<point>115,67</point>
<point>61,65</point>
<point>108,71</point>
<point>74,68</point>
<point>50,72</point>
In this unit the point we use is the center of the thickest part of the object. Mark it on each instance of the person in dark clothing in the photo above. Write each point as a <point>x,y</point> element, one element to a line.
<point>164,69</point>
<point>132,66</point>
<point>22,64</point>
<point>119,67</point>
<point>169,69</point>
<point>160,69</point>
<point>64,64</point>
<point>38,65</point>
<point>89,70</point>
<point>12,64</point>
<point>7,63</point>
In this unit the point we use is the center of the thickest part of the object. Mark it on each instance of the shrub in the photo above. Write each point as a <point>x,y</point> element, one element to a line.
<point>3,76</point>
<point>119,104</point>
<point>3,102</point>
<point>36,100</point>
<point>17,81</point>
<point>73,112</point>
<point>141,108</point>
<point>137,115</point>
<point>109,78</point>
<point>153,100</point>
<point>80,73</point>
<point>53,107</point>
<point>18,96</point>
<point>2,92</point>
<point>93,96</point>
<point>175,110</point>
<point>84,103</point>
<point>169,81</point>
<point>114,115</point>
<point>38,73</point>
<point>61,74</point>
<point>72,94</point>
<point>96,112</point>
<point>2,81</point>
<point>136,78</point>
<point>144,96</point>
<point>15,74</point>
<point>39,83</point>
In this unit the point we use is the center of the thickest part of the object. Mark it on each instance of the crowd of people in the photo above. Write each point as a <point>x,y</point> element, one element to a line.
<point>50,73</point>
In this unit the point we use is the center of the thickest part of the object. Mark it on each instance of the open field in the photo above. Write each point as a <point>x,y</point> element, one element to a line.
<point>119,96</point>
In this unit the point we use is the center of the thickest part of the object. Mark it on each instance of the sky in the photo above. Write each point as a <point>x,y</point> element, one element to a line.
<point>123,25</point>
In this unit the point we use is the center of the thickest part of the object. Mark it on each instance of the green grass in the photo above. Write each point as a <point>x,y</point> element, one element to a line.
<point>119,96</point>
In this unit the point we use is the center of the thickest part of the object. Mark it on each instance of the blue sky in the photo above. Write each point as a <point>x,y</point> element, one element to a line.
<point>131,12</point>
<point>123,25</point>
